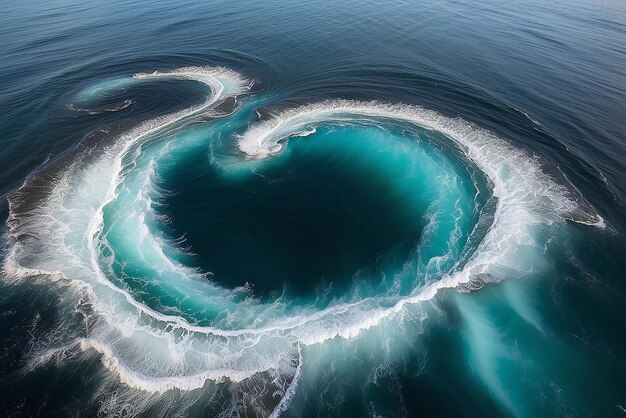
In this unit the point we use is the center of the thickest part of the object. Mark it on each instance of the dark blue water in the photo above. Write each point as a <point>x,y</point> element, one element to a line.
<point>313,209</point>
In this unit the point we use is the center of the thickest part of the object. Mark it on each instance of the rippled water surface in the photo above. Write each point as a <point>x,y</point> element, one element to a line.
<point>313,208</point>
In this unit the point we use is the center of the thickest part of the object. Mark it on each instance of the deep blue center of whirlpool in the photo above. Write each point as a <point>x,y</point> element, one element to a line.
<point>332,208</point>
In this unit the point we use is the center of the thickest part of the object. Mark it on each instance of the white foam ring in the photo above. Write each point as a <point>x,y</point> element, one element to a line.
<point>155,351</point>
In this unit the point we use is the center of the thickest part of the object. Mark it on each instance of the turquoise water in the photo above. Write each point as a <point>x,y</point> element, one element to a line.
<point>324,210</point>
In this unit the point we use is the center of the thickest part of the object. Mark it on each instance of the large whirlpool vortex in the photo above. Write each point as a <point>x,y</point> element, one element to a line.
<point>172,311</point>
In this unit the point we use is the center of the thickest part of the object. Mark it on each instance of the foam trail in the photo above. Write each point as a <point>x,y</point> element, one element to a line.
<point>284,402</point>
<point>480,146</point>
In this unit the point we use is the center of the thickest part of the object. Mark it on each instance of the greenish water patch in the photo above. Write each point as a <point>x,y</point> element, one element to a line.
<point>338,204</point>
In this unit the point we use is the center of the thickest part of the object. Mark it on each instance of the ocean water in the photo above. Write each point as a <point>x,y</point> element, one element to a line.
<point>313,208</point>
